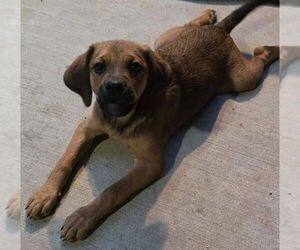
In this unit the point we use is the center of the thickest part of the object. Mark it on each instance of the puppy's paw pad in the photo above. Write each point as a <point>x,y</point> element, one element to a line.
<point>268,53</point>
<point>13,207</point>
<point>212,15</point>
<point>273,50</point>
<point>259,51</point>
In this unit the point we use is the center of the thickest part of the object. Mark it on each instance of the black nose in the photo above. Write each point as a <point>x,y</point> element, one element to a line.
<point>114,87</point>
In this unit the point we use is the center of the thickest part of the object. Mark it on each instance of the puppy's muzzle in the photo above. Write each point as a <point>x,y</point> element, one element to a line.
<point>116,99</point>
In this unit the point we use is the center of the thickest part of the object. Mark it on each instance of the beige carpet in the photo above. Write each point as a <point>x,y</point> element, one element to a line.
<point>222,190</point>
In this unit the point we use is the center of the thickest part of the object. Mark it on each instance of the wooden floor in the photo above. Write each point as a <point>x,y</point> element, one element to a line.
<point>222,191</point>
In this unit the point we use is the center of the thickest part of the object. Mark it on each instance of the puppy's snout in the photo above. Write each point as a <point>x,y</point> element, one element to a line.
<point>114,88</point>
<point>116,98</point>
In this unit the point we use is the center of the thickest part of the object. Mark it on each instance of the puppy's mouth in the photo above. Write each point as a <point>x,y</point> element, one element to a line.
<point>116,109</point>
<point>116,104</point>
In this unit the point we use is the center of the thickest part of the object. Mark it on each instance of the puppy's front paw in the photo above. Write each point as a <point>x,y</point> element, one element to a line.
<point>13,206</point>
<point>42,203</point>
<point>79,225</point>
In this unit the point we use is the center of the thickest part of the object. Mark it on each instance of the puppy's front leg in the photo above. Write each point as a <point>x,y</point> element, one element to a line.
<point>46,198</point>
<point>148,168</point>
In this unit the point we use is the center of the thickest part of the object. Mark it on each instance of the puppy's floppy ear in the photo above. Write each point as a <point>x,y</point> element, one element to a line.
<point>159,69</point>
<point>77,76</point>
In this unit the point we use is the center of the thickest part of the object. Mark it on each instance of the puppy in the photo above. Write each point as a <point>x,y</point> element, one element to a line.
<point>143,98</point>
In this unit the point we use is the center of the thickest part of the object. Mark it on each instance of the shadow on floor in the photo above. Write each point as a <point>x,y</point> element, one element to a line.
<point>12,225</point>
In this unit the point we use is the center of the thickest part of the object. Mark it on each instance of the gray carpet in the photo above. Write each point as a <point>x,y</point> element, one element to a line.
<point>222,190</point>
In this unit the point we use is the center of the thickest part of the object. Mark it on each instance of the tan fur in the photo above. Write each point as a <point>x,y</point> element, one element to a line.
<point>190,65</point>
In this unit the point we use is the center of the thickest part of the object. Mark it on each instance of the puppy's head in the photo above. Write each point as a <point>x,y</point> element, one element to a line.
<point>118,72</point>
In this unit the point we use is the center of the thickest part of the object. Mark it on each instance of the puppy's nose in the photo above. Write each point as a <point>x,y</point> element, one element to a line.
<point>114,87</point>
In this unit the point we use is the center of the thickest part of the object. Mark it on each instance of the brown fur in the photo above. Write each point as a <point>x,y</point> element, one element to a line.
<point>190,65</point>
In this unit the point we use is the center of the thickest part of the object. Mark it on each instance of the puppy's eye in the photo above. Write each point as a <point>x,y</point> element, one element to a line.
<point>135,67</point>
<point>99,68</point>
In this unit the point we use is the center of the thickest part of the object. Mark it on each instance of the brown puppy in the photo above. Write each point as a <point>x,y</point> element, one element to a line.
<point>143,97</point>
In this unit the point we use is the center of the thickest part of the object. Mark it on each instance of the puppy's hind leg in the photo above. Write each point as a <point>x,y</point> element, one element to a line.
<point>208,17</point>
<point>245,74</point>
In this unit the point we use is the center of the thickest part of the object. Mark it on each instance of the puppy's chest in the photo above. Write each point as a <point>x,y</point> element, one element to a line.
<point>121,128</point>
<point>124,128</point>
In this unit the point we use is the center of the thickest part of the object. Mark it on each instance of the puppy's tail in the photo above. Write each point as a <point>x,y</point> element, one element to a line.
<point>238,15</point>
